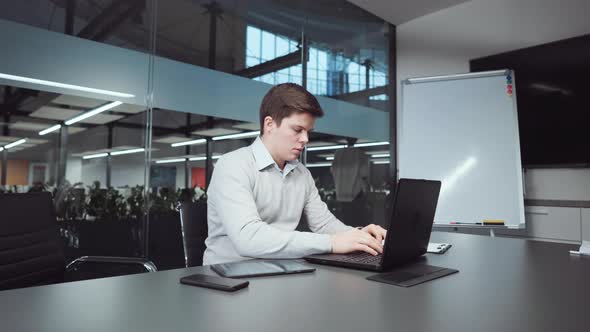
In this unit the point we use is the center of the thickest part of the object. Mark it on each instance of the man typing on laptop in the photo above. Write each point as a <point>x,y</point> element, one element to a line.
<point>258,193</point>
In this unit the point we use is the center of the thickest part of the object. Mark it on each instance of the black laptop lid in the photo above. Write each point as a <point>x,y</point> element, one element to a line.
<point>411,221</point>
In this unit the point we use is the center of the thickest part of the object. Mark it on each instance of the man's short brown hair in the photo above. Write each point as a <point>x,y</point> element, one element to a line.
<point>282,100</point>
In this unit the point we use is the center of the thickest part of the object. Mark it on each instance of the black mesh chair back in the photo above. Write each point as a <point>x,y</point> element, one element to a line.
<point>165,241</point>
<point>193,218</point>
<point>31,251</point>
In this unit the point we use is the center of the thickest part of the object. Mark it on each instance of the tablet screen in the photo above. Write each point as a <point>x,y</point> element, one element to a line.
<point>257,267</point>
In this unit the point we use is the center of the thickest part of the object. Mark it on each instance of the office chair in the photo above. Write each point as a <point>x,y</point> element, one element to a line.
<point>31,251</point>
<point>193,219</point>
<point>165,240</point>
<point>350,170</point>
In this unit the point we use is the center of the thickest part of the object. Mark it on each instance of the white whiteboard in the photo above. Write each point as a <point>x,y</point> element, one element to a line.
<point>463,130</point>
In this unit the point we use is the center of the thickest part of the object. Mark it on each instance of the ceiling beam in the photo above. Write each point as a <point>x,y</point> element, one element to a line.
<point>271,66</point>
<point>362,94</point>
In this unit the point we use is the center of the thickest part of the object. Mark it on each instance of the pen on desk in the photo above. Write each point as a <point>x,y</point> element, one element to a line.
<point>465,223</point>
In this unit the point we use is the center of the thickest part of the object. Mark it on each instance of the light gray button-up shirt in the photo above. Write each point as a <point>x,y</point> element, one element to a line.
<point>253,209</point>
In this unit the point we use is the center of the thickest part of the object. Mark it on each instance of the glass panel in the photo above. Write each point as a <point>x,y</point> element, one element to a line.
<point>253,44</point>
<point>119,23</point>
<point>249,36</point>
<point>93,167</point>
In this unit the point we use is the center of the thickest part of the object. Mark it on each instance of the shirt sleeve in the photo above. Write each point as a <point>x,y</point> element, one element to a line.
<point>231,195</point>
<point>319,218</point>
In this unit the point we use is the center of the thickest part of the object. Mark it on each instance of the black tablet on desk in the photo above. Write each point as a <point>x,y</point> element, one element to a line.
<point>259,268</point>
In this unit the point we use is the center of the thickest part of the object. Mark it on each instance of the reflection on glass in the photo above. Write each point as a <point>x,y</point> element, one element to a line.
<point>88,152</point>
<point>118,23</point>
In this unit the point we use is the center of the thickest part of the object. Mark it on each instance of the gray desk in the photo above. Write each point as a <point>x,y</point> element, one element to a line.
<point>503,285</point>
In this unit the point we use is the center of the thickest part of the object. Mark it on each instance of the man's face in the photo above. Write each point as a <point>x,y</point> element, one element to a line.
<point>286,142</point>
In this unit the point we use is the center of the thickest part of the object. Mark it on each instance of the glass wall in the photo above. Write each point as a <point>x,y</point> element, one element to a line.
<point>118,23</point>
<point>73,90</point>
<point>166,96</point>
<point>337,51</point>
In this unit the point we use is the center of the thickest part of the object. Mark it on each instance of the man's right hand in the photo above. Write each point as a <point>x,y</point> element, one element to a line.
<point>355,240</point>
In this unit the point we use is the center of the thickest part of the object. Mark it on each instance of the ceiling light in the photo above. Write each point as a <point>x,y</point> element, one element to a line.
<point>118,153</point>
<point>362,145</point>
<point>166,161</point>
<point>240,135</point>
<point>50,129</point>
<point>195,141</point>
<point>319,165</point>
<point>65,86</point>
<point>1,148</point>
<point>98,155</point>
<point>13,144</point>
<point>381,162</point>
<point>326,147</point>
<point>204,158</point>
<point>380,155</point>
<point>93,112</point>
<point>330,158</point>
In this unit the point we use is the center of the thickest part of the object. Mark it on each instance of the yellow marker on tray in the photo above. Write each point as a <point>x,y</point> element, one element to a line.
<point>498,222</point>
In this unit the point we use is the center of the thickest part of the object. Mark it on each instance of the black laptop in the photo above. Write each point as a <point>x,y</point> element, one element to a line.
<point>410,225</point>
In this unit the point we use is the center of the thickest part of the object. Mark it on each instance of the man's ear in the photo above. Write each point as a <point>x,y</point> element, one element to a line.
<point>268,124</point>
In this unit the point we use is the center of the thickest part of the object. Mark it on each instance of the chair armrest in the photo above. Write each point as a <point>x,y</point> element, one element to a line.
<point>148,265</point>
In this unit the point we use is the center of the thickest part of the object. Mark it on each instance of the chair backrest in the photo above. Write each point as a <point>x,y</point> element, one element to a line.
<point>193,218</point>
<point>30,247</point>
<point>166,247</point>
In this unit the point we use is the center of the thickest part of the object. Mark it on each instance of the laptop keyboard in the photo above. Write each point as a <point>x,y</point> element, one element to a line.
<point>359,257</point>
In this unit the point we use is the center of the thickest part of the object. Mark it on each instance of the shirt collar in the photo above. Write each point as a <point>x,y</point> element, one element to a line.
<point>264,159</point>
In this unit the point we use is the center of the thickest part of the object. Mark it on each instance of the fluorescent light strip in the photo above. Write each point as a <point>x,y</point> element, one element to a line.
<point>362,145</point>
<point>380,155</point>
<point>318,165</point>
<point>204,158</point>
<point>1,148</point>
<point>13,144</point>
<point>98,155</point>
<point>95,111</point>
<point>50,129</point>
<point>239,135</point>
<point>327,147</point>
<point>192,142</point>
<point>380,162</point>
<point>166,161</point>
<point>65,86</point>
<point>118,153</point>
<point>329,158</point>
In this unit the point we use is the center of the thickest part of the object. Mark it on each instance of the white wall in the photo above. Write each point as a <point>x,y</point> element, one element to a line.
<point>443,43</point>
<point>127,170</point>
<point>74,170</point>
<point>94,170</point>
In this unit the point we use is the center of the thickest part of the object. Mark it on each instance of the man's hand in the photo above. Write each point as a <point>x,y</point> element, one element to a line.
<point>367,239</point>
<point>376,231</point>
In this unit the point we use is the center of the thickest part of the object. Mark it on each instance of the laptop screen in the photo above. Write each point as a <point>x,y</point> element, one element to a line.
<point>411,220</point>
